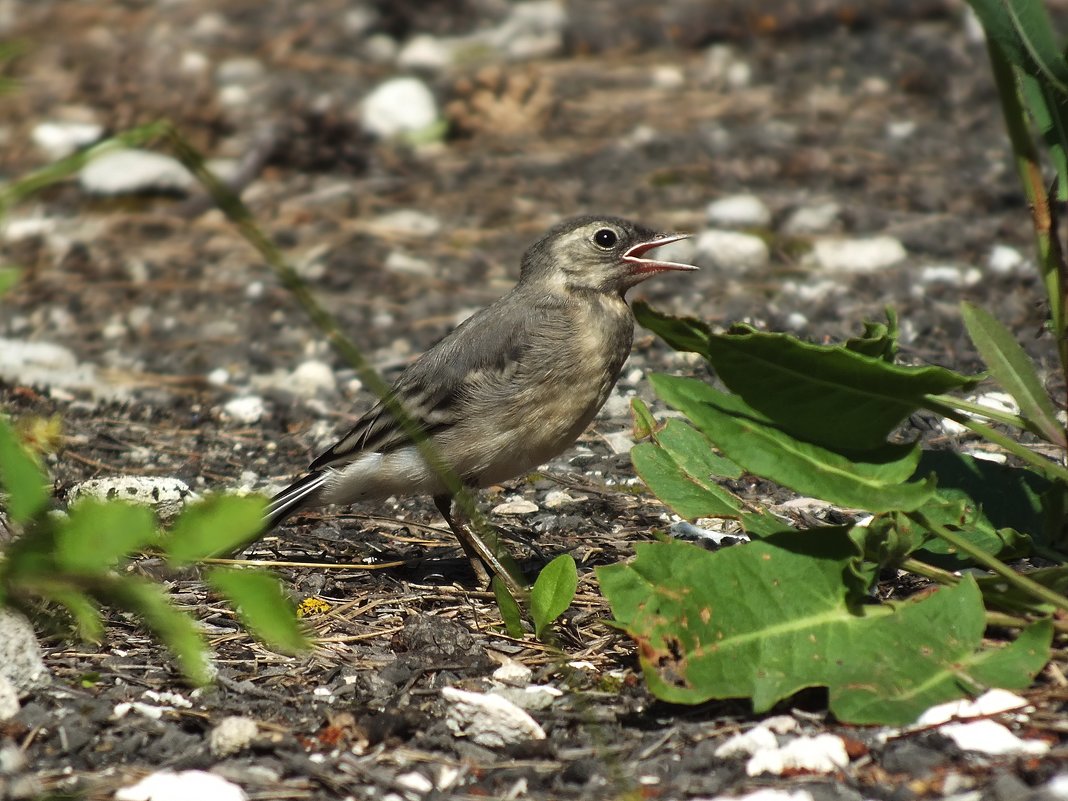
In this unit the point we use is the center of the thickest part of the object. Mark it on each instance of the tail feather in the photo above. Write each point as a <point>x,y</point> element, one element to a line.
<point>293,497</point>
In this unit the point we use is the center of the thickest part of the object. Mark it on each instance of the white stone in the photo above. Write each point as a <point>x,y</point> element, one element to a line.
<point>991,702</point>
<point>556,499</point>
<point>59,139</point>
<point>824,753</point>
<point>668,77</point>
<point>724,67</point>
<point>616,405</point>
<point>769,794</point>
<point>533,29</point>
<point>990,737</point>
<point>513,673</point>
<point>816,218</point>
<point>404,263</point>
<point>131,171</point>
<point>219,377</point>
<point>166,494</point>
<point>747,743</point>
<point>406,222</point>
<point>738,211</point>
<point>231,735</point>
<point>312,378</point>
<point>688,531</point>
<point>20,655</point>
<point>416,782</point>
<point>241,70</point>
<point>9,699</point>
<point>424,51</point>
<point>950,275</point>
<point>730,251</point>
<point>996,401</point>
<point>16,229</point>
<point>1056,789</point>
<point>1004,260</point>
<point>796,321</point>
<point>248,409</point>
<point>900,129</point>
<point>619,441</point>
<point>168,785</point>
<point>488,720</point>
<point>44,364</point>
<point>399,106</point>
<point>532,697</point>
<point>515,506</point>
<point>858,255</point>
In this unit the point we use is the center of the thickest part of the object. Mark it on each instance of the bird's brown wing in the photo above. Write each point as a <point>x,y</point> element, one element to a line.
<point>433,388</point>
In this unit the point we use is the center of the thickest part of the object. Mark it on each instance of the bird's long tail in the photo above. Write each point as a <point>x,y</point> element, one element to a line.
<point>293,497</point>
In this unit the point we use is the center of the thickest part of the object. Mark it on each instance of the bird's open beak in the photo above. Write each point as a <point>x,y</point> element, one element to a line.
<point>645,267</point>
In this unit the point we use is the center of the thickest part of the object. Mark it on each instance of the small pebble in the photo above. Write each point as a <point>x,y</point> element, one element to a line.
<point>59,139</point>
<point>1004,260</point>
<point>248,409</point>
<point>515,506</point>
<point>858,255</point>
<point>399,106</point>
<point>731,251</point>
<point>125,172</point>
<point>168,785</point>
<point>231,735</point>
<point>312,378</point>
<point>9,699</point>
<point>817,218</point>
<point>488,720</point>
<point>738,211</point>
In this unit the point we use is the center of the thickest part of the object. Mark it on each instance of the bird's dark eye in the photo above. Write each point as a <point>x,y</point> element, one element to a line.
<point>605,238</point>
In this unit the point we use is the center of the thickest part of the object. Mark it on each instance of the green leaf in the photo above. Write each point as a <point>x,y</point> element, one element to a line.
<point>1012,368</point>
<point>1022,29</point>
<point>175,628</point>
<point>779,618</point>
<point>553,592</point>
<point>879,340</point>
<point>644,424</point>
<point>81,607</point>
<point>262,606</point>
<point>97,535</point>
<point>217,525</point>
<point>678,467</point>
<point>9,276</point>
<point>829,395</point>
<point>746,437</point>
<point>20,477</point>
<point>509,609</point>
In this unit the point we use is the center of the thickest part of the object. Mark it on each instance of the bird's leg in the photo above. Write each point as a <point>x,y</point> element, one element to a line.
<point>478,552</point>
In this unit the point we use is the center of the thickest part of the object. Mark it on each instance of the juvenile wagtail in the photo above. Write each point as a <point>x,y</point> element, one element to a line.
<point>508,389</point>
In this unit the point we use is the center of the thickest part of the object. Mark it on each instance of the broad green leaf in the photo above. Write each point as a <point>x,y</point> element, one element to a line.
<point>747,438</point>
<point>20,478</point>
<point>217,525</point>
<point>98,534</point>
<point>1009,497</point>
<point>678,467</point>
<point>1012,368</point>
<point>9,276</point>
<point>829,395</point>
<point>509,609</point>
<point>553,592</point>
<point>778,617</point>
<point>176,629</point>
<point>259,601</point>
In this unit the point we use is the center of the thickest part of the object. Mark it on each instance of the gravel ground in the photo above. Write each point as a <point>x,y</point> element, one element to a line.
<point>180,355</point>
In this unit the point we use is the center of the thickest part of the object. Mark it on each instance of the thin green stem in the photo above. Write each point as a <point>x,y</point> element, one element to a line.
<point>1013,622</point>
<point>1051,470</point>
<point>931,572</point>
<point>1019,580</point>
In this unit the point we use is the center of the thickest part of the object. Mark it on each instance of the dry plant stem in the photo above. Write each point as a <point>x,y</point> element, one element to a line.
<point>1051,257</point>
<point>239,215</point>
<point>310,565</point>
<point>1051,470</point>
<point>1019,580</point>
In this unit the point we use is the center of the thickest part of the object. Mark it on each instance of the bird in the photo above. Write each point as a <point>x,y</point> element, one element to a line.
<point>507,390</point>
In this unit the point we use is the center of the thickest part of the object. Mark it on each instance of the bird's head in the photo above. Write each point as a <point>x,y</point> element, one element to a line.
<point>604,254</point>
